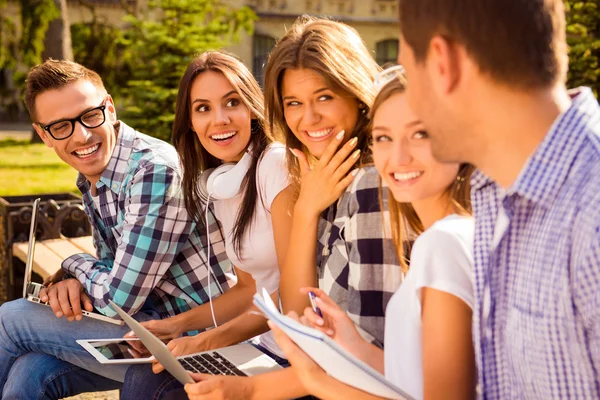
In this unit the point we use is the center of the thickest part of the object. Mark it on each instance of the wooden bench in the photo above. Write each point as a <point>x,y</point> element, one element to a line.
<point>49,254</point>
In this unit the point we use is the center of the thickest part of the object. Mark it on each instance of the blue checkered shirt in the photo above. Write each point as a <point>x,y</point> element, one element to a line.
<point>147,246</point>
<point>536,321</point>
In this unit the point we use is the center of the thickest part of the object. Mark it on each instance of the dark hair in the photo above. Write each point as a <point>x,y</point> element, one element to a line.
<point>403,217</point>
<point>55,74</point>
<point>520,43</point>
<point>337,53</point>
<point>195,159</point>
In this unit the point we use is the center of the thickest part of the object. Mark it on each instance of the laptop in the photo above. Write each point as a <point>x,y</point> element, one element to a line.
<point>31,290</point>
<point>240,359</point>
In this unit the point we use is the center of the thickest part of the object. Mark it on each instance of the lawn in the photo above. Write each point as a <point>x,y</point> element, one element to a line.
<point>33,169</point>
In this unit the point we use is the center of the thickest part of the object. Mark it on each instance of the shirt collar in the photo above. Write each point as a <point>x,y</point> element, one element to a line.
<point>116,169</point>
<point>548,167</point>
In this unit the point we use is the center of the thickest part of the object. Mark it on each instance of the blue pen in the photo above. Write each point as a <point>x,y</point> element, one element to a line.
<point>312,297</point>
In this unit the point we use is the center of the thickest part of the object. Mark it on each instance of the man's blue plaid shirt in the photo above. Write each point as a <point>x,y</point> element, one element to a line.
<point>147,245</point>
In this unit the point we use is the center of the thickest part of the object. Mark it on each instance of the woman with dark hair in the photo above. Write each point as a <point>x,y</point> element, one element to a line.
<point>318,91</point>
<point>429,351</point>
<point>230,162</point>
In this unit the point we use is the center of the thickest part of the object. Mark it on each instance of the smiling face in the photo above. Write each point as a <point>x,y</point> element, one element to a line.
<point>220,118</point>
<point>87,150</point>
<point>314,111</point>
<point>402,154</point>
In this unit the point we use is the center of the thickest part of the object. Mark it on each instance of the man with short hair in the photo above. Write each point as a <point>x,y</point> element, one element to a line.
<point>150,260</point>
<point>487,77</point>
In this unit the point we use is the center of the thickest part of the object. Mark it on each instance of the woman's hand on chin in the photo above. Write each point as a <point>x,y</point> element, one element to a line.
<point>323,183</point>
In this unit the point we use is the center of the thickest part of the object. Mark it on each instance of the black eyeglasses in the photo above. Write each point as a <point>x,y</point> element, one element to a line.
<point>63,129</point>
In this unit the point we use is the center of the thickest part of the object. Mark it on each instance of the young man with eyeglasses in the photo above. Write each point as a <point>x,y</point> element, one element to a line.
<point>151,257</point>
<point>487,78</point>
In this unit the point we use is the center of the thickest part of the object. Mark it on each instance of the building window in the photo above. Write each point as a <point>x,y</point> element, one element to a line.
<point>387,51</point>
<point>262,47</point>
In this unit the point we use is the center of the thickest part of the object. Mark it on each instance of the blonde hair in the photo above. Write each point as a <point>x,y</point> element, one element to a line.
<point>337,53</point>
<point>404,221</point>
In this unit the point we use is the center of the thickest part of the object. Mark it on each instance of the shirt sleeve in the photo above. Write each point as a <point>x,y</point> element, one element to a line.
<point>272,174</point>
<point>373,269</point>
<point>156,226</point>
<point>441,259</point>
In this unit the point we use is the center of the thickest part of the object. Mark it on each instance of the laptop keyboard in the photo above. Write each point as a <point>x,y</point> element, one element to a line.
<point>213,363</point>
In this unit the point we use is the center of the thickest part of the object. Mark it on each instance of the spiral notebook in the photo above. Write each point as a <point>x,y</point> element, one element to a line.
<point>330,356</point>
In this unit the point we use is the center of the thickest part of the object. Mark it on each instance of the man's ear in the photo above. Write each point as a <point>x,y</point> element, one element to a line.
<point>111,111</point>
<point>43,135</point>
<point>444,59</point>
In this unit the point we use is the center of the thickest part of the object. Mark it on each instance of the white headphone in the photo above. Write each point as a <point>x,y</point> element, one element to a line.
<point>221,183</point>
<point>225,181</point>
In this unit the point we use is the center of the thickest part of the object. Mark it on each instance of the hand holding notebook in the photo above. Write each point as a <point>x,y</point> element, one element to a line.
<point>336,361</point>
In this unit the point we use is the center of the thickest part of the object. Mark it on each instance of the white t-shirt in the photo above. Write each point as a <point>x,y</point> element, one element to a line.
<point>441,259</point>
<point>257,250</point>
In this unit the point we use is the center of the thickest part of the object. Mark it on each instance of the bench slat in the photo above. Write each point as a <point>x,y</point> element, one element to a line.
<point>45,261</point>
<point>49,254</point>
<point>85,243</point>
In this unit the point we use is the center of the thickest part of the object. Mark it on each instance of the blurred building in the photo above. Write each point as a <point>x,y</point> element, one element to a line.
<point>375,20</point>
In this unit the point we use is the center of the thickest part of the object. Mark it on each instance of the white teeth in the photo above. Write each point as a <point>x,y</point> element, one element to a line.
<point>224,136</point>
<point>318,134</point>
<point>407,175</point>
<point>88,151</point>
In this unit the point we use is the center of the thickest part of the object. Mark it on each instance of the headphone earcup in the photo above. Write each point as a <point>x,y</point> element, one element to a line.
<point>225,181</point>
<point>220,186</point>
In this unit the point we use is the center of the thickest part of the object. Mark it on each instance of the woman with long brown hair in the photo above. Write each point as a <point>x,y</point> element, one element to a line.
<point>428,353</point>
<point>229,163</point>
<point>318,92</point>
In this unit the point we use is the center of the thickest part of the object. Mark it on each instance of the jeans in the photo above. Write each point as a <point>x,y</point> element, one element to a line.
<point>142,383</point>
<point>27,327</point>
<point>49,378</point>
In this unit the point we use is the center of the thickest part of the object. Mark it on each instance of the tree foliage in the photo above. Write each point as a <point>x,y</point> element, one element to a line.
<point>159,49</point>
<point>20,49</point>
<point>583,36</point>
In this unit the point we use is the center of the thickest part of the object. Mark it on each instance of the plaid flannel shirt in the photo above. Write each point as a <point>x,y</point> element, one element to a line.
<point>536,320</point>
<point>148,248</point>
<point>356,260</point>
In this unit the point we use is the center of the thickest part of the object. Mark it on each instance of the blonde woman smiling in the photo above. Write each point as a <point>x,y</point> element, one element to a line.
<point>428,353</point>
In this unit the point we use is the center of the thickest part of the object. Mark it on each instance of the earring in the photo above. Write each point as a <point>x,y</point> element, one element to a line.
<point>362,107</point>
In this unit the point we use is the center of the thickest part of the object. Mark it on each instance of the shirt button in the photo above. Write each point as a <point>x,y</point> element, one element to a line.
<point>115,186</point>
<point>478,390</point>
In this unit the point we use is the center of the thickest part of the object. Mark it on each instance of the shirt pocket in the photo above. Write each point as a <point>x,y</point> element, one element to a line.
<point>532,344</point>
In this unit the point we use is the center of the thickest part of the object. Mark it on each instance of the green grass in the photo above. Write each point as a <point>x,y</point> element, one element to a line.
<point>33,169</point>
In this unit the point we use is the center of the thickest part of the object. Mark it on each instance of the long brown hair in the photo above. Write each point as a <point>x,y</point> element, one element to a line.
<point>337,53</point>
<point>404,221</point>
<point>195,159</point>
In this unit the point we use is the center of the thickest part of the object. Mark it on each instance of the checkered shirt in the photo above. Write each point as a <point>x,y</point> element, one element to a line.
<point>536,321</point>
<point>357,263</point>
<point>147,245</point>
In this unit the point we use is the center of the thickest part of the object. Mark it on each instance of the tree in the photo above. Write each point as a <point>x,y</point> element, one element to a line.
<point>18,53</point>
<point>57,43</point>
<point>583,37</point>
<point>160,48</point>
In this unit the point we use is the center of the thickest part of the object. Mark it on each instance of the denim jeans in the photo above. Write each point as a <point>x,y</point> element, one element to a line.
<point>48,378</point>
<point>27,327</point>
<point>142,383</point>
